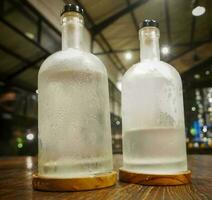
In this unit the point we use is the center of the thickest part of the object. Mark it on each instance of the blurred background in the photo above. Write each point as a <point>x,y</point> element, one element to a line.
<point>30,31</point>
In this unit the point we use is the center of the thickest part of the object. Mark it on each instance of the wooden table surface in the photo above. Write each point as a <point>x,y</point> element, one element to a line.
<point>16,177</point>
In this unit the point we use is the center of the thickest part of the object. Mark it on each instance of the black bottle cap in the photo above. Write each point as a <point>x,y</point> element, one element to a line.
<point>149,22</point>
<point>72,8</point>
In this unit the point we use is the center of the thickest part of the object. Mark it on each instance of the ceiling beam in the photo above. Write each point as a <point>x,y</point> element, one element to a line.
<point>204,65</point>
<point>39,30</point>
<point>194,46</point>
<point>189,59</point>
<point>25,6</point>
<point>13,54</point>
<point>172,46</point>
<point>116,51</point>
<point>96,29</point>
<point>135,22</point>
<point>168,25</point>
<point>122,69</point>
<point>19,32</point>
<point>24,68</point>
<point>88,17</point>
<point>193,24</point>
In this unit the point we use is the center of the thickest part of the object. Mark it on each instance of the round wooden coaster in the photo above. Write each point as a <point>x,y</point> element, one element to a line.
<point>180,178</point>
<point>74,184</point>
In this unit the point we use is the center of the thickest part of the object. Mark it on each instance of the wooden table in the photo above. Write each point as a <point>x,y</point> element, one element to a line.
<point>16,177</point>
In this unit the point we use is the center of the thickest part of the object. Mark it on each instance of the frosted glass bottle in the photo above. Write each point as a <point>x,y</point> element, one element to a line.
<point>152,111</point>
<point>74,119</point>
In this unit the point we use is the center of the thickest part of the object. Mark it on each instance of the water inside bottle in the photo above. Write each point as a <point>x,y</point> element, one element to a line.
<point>155,151</point>
<point>74,126</point>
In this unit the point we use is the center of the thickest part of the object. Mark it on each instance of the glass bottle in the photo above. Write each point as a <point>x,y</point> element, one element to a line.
<point>74,117</point>
<point>152,111</point>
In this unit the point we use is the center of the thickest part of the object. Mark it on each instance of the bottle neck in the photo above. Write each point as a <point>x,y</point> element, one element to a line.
<point>72,31</point>
<point>149,43</point>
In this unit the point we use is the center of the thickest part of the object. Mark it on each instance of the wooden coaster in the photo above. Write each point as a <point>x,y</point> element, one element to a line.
<point>180,178</point>
<point>74,184</point>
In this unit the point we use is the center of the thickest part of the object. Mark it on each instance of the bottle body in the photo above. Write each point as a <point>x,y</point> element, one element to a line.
<point>74,123</point>
<point>153,119</point>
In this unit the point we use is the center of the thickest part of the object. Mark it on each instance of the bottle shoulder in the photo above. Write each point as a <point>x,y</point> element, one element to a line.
<point>150,69</point>
<point>72,59</point>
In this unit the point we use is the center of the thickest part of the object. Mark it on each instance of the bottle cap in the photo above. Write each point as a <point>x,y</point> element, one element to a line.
<point>149,22</point>
<point>72,8</point>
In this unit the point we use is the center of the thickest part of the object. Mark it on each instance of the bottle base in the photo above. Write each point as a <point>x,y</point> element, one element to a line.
<point>165,166</point>
<point>74,184</point>
<point>179,178</point>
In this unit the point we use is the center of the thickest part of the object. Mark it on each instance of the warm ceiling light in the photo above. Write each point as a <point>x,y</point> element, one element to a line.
<point>207,72</point>
<point>193,108</point>
<point>128,56</point>
<point>197,76</point>
<point>165,50</point>
<point>30,35</point>
<point>30,136</point>
<point>198,11</point>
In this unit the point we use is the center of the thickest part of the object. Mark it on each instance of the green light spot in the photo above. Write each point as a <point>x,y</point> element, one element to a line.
<point>20,145</point>
<point>19,140</point>
<point>193,131</point>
